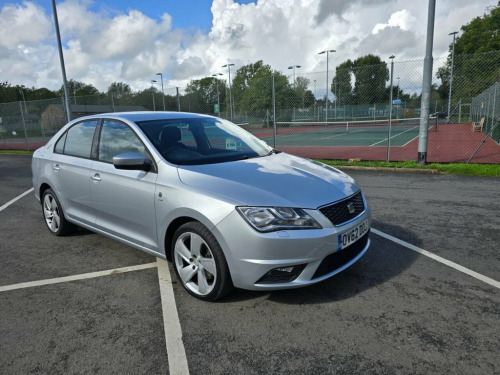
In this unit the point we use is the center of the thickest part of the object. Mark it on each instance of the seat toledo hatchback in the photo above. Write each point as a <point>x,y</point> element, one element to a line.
<point>224,207</point>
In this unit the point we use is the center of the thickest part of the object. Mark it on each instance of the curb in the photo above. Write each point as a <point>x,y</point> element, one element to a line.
<point>387,169</point>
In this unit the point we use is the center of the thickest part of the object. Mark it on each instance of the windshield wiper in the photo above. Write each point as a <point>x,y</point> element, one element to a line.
<point>274,151</point>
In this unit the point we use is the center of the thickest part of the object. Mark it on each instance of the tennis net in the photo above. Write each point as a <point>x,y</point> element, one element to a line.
<point>359,125</point>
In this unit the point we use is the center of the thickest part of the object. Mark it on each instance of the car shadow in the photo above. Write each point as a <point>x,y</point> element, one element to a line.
<point>80,232</point>
<point>383,261</point>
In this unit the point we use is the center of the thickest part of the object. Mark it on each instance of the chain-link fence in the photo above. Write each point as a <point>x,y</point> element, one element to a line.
<point>345,113</point>
<point>485,108</point>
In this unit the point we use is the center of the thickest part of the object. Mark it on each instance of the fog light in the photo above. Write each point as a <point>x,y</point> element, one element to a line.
<point>282,274</point>
<point>285,269</point>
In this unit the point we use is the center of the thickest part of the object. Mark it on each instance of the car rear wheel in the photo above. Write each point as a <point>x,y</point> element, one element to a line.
<point>200,263</point>
<point>54,216</point>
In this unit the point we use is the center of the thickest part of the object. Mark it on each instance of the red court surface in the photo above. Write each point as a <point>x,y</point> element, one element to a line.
<point>452,143</point>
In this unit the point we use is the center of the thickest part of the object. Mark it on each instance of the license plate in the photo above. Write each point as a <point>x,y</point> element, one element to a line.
<point>348,238</point>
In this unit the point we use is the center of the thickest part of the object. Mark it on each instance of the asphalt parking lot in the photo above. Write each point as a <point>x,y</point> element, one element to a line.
<point>424,299</point>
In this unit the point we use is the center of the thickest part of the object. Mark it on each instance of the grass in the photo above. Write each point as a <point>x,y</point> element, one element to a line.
<point>462,169</point>
<point>15,152</point>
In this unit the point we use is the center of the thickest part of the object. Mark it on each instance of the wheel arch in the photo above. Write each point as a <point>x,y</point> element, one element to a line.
<point>171,229</point>
<point>176,224</point>
<point>43,187</point>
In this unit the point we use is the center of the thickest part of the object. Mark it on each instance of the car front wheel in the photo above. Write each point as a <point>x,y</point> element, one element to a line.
<point>200,263</point>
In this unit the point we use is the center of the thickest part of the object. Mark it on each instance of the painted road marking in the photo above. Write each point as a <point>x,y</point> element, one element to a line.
<point>447,262</point>
<point>16,199</point>
<point>177,361</point>
<point>65,279</point>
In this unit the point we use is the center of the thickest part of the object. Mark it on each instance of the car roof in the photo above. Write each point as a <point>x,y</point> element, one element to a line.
<point>150,115</point>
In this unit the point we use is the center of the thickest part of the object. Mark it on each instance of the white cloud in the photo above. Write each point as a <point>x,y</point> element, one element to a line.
<point>112,45</point>
<point>23,24</point>
<point>402,19</point>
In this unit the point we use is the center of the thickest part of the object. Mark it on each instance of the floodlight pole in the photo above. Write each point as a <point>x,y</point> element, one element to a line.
<point>451,75</point>
<point>218,94</point>
<point>230,99</point>
<point>390,110</point>
<point>293,67</point>
<point>162,92</point>
<point>326,98</point>
<point>63,69</point>
<point>425,103</point>
<point>178,99</point>
<point>153,93</point>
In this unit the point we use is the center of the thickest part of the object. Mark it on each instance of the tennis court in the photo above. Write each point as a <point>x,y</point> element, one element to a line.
<point>367,140</point>
<point>347,133</point>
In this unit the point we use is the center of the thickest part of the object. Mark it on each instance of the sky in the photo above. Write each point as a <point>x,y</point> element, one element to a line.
<point>130,41</point>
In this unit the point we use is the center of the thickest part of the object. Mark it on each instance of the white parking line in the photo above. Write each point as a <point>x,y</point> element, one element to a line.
<point>15,199</point>
<point>177,361</point>
<point>65,279</point>
<point>451,264</point>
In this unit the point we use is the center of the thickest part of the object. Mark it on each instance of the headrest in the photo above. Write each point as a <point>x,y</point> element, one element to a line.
<point>170,134</point>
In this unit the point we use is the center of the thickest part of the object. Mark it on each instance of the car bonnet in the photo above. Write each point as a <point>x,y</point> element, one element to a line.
<point>274,180</point>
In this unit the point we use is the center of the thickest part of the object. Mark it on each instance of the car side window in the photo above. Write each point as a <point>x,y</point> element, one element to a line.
<point>117,138</point>
<point>79,139</point>
<point>59,148</point>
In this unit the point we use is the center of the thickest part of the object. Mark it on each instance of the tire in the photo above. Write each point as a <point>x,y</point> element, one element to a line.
<point>54,216</point>
<point>199,262</point>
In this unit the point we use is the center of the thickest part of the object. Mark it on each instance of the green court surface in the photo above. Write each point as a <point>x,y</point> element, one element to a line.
<point>352,134</point>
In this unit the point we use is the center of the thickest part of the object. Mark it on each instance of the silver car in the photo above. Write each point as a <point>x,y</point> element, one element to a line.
<point>224,207</point>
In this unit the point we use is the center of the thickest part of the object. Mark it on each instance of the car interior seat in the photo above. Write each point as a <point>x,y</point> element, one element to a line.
<point>170,137</point>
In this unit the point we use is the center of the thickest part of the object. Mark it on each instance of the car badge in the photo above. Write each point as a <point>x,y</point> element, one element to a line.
<point>351,208</point>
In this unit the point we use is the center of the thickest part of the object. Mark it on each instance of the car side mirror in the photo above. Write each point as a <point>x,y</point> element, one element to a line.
<point>132,161</point>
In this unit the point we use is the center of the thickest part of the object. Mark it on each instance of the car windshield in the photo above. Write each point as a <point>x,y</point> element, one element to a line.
<point>193,141</point>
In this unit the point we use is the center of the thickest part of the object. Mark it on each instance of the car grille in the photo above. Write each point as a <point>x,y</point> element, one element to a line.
<point>341,257</point>
<point>338,212</point>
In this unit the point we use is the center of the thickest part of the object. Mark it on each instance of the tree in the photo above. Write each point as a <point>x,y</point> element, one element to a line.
<point>477,60</point>
<point>119,89</point>
<point>202,94</point>
<point>253,88</point>
<point>8,93</point>
<point>341,83</point>
<point>247,73</point>
<point>79,89</point>
<point>371,75</point>
<point>40,94</point>
<point>305,96</point>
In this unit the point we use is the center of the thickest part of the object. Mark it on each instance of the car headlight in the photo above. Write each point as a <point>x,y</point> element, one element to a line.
<point>267,219</point>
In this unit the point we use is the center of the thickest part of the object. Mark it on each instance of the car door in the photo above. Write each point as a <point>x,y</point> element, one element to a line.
<point>123,200</point>
<point>71,163</point>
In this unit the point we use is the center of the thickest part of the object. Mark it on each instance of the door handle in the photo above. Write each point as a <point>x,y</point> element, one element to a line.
<point>56,167</point>
<point>96,177</point>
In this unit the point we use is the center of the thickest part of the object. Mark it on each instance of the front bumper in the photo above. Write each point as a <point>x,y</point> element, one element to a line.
<point>252,255</point>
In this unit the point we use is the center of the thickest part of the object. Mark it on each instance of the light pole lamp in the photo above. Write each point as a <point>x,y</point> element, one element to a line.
<point>153,93</point>
<point>326,98</point>
<point>230,94</point>
<point>293,67</point>
<point>451,75</point>
<point>217,83</point>
<point>162,92</point>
